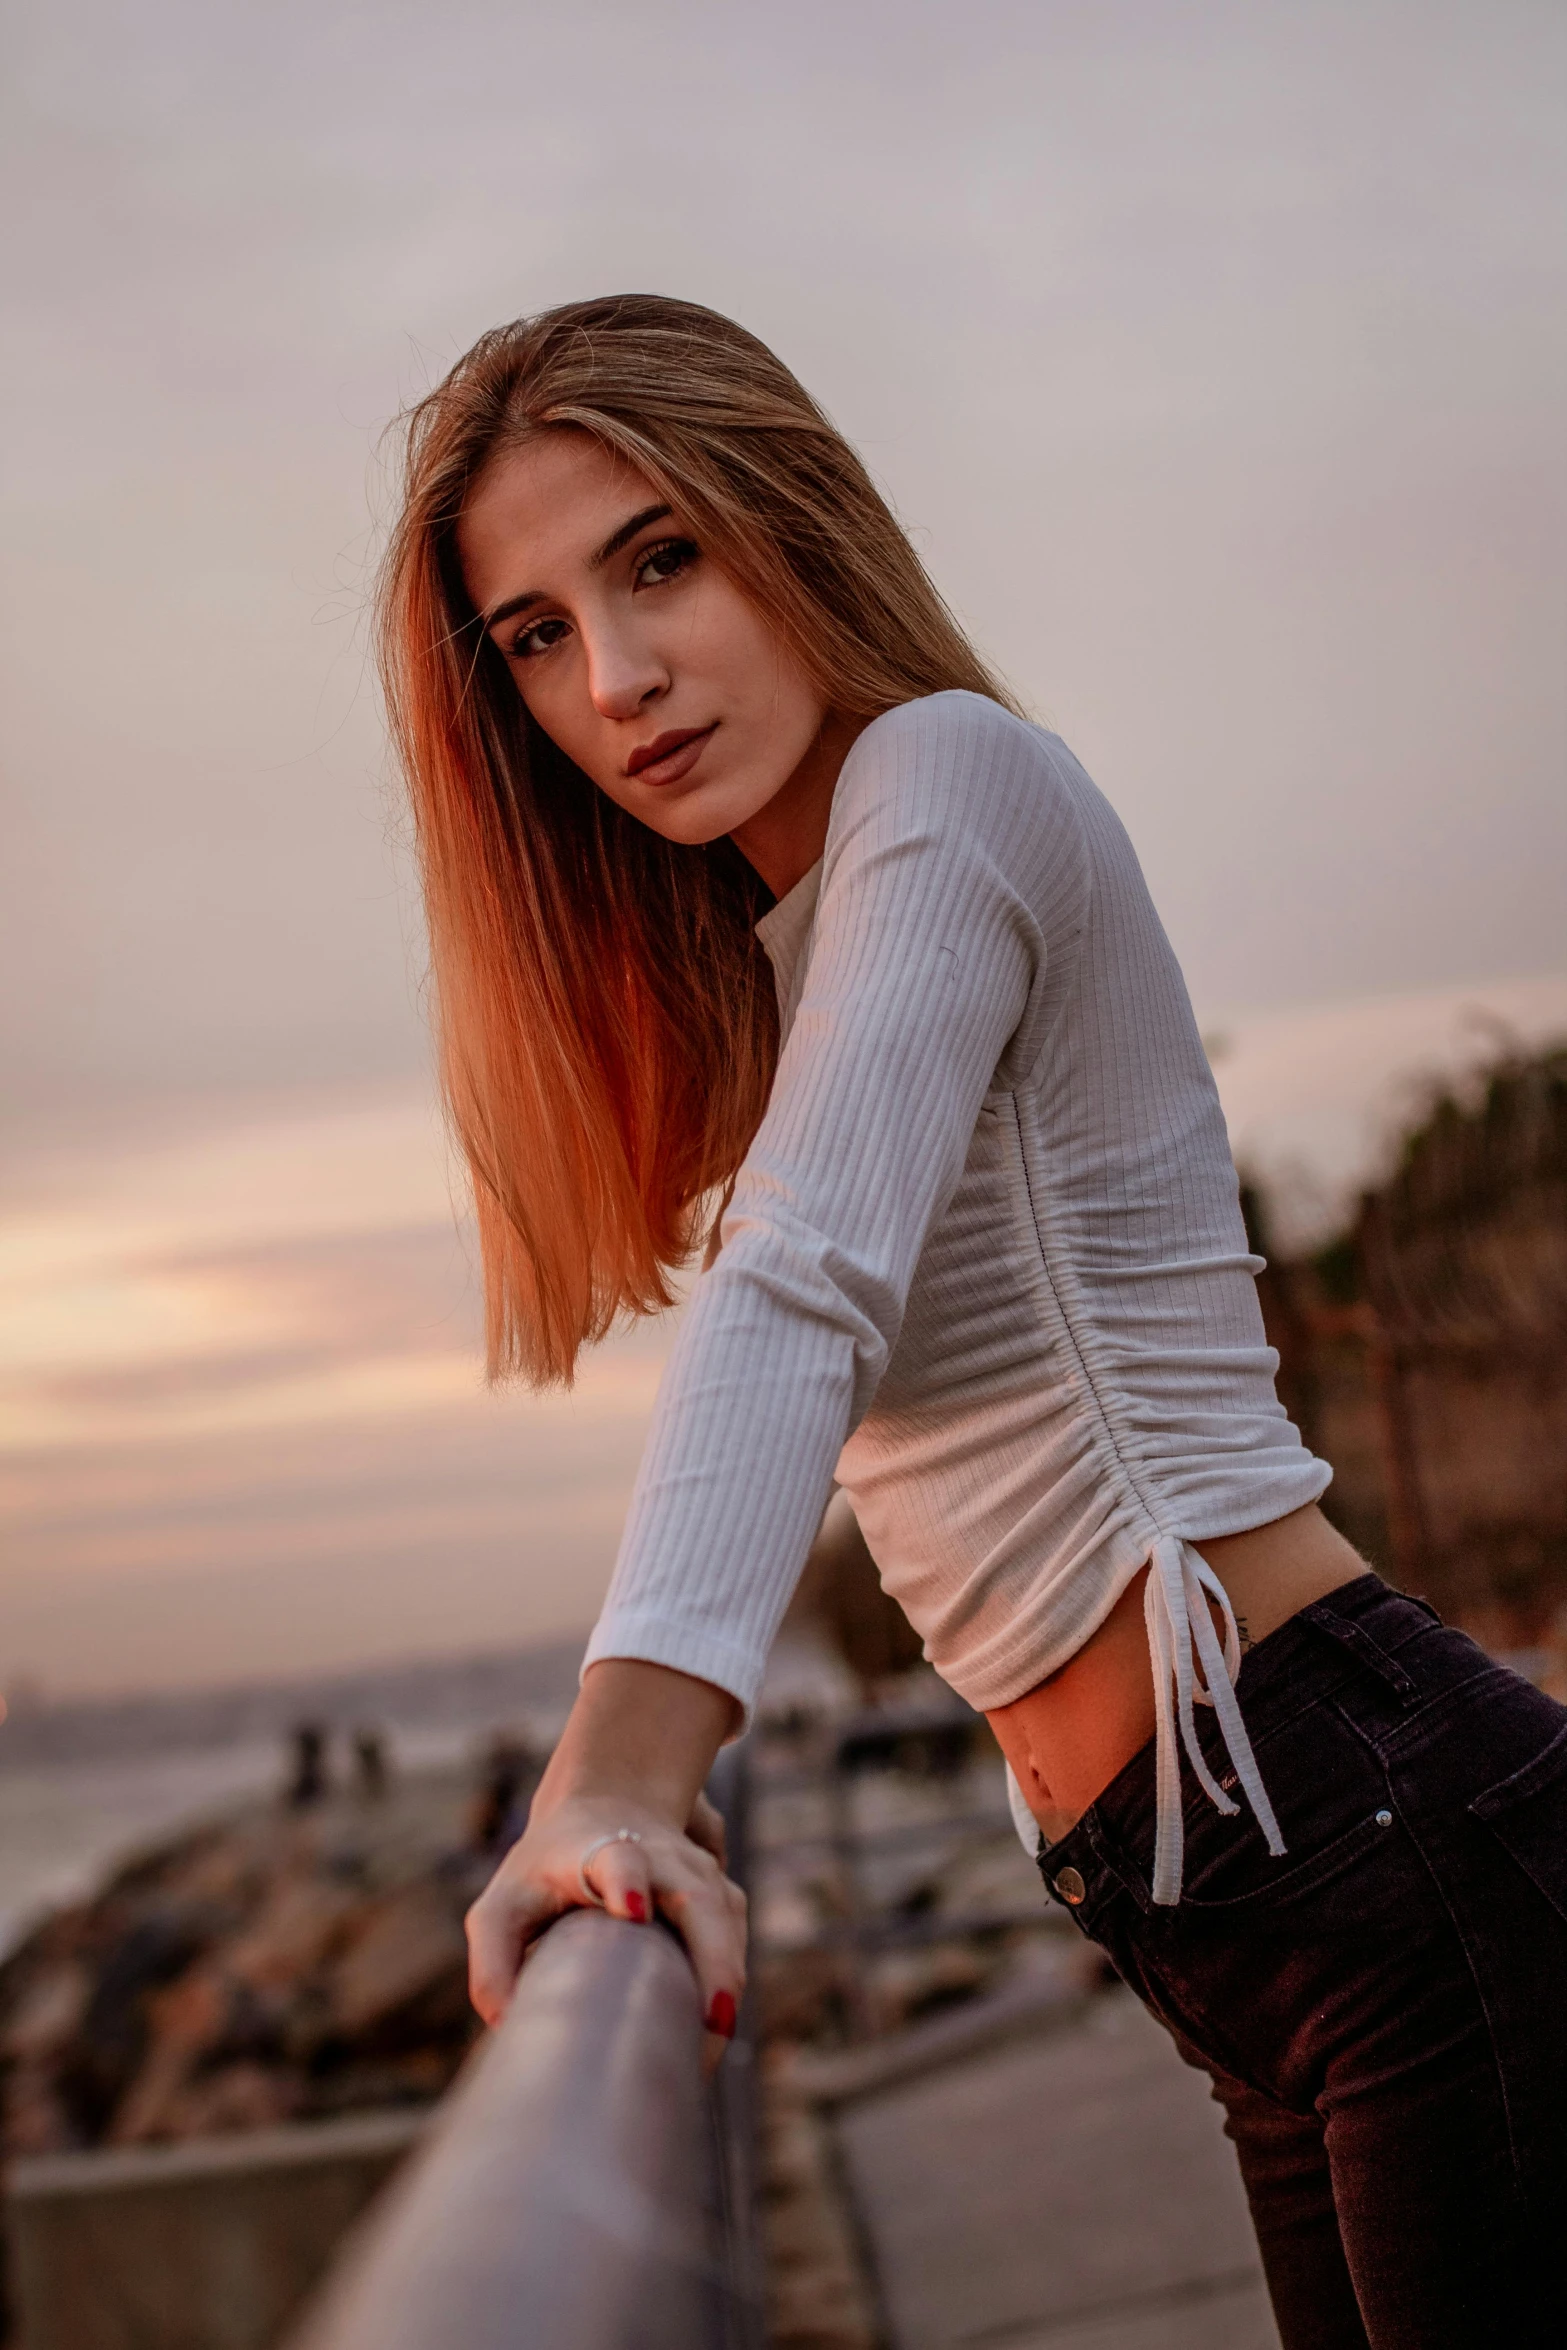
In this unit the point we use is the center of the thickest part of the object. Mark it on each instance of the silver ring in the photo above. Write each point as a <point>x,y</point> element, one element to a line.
<point>612,1836</point>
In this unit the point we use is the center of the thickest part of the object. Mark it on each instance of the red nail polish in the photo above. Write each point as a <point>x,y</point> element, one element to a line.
<point>636,1908</point>
<point>721,2015</point>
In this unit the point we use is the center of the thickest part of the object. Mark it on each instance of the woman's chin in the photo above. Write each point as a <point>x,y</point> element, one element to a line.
<point>694,819</point>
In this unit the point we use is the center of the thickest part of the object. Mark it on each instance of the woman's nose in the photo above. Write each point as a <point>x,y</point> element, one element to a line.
<point>623,676</point>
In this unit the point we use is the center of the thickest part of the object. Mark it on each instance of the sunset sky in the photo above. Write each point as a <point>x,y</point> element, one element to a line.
<point>1214,355</point>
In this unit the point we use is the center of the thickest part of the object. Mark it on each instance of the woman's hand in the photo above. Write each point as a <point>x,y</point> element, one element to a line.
<point>633,1756</point>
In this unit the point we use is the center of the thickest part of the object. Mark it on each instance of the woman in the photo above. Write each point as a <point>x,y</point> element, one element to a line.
<point>758,909</point>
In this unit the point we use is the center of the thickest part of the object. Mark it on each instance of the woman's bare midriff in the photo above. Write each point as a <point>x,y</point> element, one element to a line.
<point>1067,1739</point>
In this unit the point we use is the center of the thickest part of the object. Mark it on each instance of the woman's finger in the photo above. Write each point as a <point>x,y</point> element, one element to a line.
<point>620,1875</point>
<point>684,1881</point>
<point>708,1913</point>
<point>500,1926</point>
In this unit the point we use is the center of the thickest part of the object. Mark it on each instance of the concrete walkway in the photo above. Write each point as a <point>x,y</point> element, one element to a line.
<point>1072,2192</point>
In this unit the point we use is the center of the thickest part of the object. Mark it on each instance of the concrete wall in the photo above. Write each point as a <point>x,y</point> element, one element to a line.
<point>208,2246</point>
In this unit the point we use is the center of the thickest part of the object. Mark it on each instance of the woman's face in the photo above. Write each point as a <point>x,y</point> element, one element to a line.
<point>640,658</point>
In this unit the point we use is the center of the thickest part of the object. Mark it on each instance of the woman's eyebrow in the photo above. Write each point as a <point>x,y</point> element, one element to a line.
<point>512,606</point>
<point>596,562</point>
<point>626,533</point>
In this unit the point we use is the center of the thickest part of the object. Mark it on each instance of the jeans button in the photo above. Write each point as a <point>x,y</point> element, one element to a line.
<point>1384,1819</point>
<point>1070,1886</point>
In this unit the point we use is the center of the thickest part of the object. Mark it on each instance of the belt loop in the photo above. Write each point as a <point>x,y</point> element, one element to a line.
<point>1115,1863</point>
<point>1362,1647</point>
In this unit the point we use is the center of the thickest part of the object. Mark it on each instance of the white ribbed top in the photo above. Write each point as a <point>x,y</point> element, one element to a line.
<point>984,1262</point>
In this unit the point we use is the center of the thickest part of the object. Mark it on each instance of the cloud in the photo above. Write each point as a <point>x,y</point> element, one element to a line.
<point>244,1364</point>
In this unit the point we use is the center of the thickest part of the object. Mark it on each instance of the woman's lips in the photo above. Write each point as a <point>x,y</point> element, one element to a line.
<point>669,756</point>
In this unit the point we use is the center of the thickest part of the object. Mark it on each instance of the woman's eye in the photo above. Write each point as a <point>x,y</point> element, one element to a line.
<point>666,561</point>
<point>530,642</point>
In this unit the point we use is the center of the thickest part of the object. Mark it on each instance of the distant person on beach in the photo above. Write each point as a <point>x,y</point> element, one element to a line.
<point>765,923</point>
<point>306,1783</point>
<point>497,1813</point>
<point>372,1764</point>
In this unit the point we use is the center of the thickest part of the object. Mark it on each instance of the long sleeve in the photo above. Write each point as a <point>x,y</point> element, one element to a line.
<point>923,972</point>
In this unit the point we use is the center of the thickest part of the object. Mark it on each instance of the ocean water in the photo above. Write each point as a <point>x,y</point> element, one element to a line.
<point>84,1785</point>
<point>65,1825</point>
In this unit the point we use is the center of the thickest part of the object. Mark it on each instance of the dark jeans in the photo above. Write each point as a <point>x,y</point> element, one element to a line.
<point>1383,2011</point>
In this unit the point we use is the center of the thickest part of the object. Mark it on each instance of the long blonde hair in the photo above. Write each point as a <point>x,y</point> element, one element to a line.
<point>605,1016</point>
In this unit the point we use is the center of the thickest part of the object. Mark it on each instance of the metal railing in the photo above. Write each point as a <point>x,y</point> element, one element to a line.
<point>581,2188</point>
<point>571,2194</point>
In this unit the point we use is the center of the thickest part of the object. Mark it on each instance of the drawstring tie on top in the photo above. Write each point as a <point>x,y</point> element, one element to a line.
<point>1175,1610</point>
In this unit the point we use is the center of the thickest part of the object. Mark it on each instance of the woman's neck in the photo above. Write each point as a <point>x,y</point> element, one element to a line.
<point>785,839</point>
